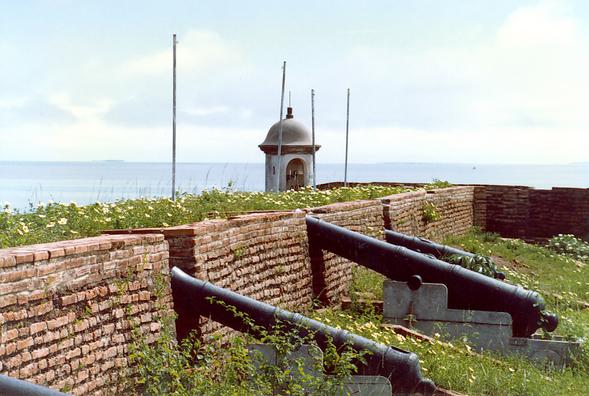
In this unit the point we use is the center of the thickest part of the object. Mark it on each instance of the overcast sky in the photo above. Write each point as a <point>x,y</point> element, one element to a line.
<point>495,81</point>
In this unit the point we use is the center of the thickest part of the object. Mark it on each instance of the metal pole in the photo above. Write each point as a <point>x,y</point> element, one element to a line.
<point>280,128</point>
<point>313,135</point>
<point>174,124</point>
<point>347,132</point>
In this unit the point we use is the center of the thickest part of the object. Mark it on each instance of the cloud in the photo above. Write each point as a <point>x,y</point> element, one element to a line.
<point>206,111</point>
<point>530,73</point>
<point>19,111</point>
<point>88,109</point>
<point>402,144</point>
<point>140,111</point>
<point>535,69</point>
<point>198,51</point>
<point>86,140</point>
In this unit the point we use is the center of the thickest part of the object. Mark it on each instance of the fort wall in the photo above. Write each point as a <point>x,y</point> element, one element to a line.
<point>525,212</point>
<point>68,309</point>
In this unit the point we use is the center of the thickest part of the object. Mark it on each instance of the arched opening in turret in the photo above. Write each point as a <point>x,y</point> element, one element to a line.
<point>295,174</point>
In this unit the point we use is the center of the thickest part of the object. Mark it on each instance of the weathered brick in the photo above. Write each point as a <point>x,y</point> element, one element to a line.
<point>38,327</point>
<point>68,300</point>
<point>24,344</point>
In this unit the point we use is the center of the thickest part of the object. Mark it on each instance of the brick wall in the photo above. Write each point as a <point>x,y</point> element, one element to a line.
<point>559,211</point>
<point>332,274</point>
<point>66,309</point>
<point>63,321</point>
<point>524,212</point>
<point>260,255</point>
<point>454,205</point>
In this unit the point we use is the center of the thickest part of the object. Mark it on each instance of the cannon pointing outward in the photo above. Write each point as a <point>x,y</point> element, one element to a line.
<point>195,297</point>
<point>467,290</point>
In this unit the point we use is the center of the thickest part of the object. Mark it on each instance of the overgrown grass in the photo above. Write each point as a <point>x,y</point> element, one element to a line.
<point>227,369</point>
<point>213,367</point>
<point>562,280</point>
<point>58,221</point>
<point>453,366</point>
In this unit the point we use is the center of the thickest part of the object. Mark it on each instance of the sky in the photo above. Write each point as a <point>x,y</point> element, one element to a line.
<point>431,81</point>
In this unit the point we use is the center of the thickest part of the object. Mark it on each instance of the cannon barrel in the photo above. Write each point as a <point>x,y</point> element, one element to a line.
<point>467,290</point>
<point>195,297</point>
<point>16,387</point>
<point>422,245</point>
<point>426,246</point>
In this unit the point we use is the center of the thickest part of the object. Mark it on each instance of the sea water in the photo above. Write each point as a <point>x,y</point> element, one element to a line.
<point>26,183</point>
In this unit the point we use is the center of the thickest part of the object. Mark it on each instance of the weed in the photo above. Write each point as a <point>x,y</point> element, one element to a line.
<point>430,212</point>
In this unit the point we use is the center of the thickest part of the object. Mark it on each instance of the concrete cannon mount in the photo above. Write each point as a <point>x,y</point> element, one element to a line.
<point>426,310</point>
<point>309,358</point>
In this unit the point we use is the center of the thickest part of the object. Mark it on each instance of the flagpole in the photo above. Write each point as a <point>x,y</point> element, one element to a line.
<point>347,133</point>
<point>278,171</point>
<point>174,122</point>
<point>313,135</point>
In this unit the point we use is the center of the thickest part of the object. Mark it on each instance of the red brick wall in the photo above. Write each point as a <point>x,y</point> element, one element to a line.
<point>454,205</point>
<point>62,316</point>
<point>66,309</point>
<point>524,212</point>
<point>332,274</point>
<point>261,255</point>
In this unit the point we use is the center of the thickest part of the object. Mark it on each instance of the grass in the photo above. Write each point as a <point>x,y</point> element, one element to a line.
<point>59,221</point>
<point>451,365</point>
<point>562,280</point>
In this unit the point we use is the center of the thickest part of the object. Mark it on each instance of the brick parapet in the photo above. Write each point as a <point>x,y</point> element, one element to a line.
<point>63,317</point>
<point>454,206</point>
<point>260,255</point>
<point>61,323</point>
<point>525,212</point>
<point>332,274</point>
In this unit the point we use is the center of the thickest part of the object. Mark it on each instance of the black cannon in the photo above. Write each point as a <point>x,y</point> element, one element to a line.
<point>437,250</point>
<point>195,297</point>
<point>466,289</point>
<point>14,387</point>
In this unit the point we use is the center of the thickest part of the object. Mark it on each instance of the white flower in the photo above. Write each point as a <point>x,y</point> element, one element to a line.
<point>62,221</point>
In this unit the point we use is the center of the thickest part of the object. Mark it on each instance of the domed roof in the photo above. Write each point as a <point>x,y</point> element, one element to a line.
<point>294,133</point>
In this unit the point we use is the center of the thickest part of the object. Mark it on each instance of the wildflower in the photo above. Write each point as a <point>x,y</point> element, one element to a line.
<point>62,221</point>
<point>50,225</point>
